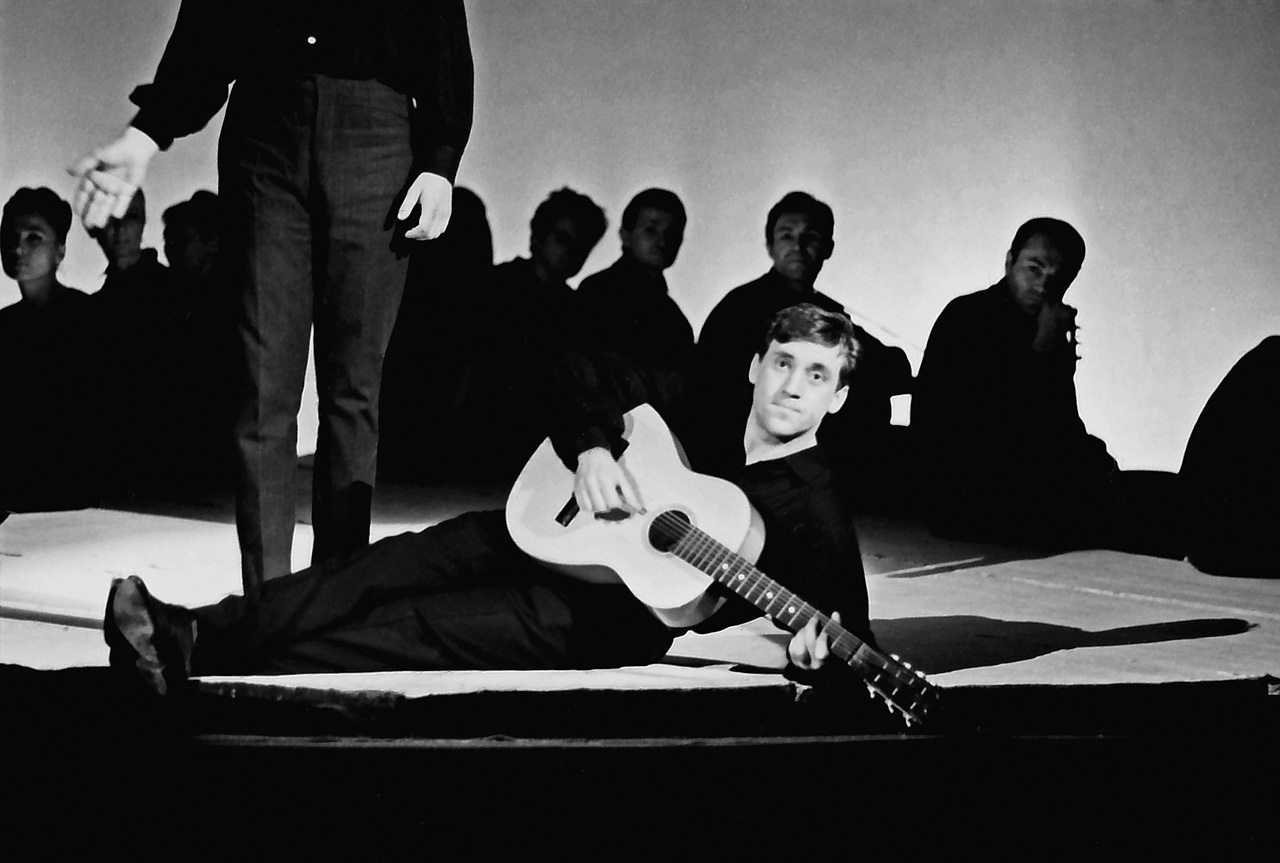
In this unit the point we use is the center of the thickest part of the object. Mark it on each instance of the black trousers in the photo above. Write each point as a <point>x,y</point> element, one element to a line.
<point>458,595</point>
<point>311,171</point>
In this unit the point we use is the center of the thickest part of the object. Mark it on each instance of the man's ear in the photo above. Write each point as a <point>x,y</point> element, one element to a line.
<point>837,400</point>
<point>754,372</point>
<point>830,250</point>
<point>1008,260</point>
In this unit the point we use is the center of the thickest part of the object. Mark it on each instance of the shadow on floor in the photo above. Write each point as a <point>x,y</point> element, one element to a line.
<point>393,502</point>
<point>940,644</point>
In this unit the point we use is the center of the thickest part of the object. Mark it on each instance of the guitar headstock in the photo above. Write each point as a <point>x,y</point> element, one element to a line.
<point>905,690</point>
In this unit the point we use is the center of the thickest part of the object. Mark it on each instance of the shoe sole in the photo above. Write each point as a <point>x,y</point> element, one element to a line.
<point>134,625</point>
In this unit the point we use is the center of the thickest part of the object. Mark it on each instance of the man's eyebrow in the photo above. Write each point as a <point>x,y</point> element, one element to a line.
<point>820,366</point>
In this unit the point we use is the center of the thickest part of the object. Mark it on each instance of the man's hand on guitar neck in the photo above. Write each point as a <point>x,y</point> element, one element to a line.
<point>810,647</point>
<point>601,484</point>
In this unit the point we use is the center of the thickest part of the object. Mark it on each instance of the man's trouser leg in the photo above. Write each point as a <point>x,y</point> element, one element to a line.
<point>362,165</point>
<point>457,595</point>
<point>264,166</point>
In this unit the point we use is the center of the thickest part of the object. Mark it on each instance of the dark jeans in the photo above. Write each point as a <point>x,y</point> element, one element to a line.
<point>459,595</point>
<point>311,171</point>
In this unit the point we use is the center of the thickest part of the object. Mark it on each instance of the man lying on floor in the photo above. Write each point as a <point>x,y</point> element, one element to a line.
<point>461,595</point>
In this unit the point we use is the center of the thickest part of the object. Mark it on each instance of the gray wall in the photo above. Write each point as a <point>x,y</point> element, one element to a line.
<point>933,129</point>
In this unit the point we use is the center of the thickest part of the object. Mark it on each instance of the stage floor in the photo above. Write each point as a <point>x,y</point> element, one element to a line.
<point>1094,701</point>
<point>965,614</point>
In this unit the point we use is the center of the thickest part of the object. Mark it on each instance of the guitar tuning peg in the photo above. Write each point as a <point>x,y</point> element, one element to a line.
<point>889,705</point>
<point>919,674</point>
<point>871,691</point>
<point>906,664</point>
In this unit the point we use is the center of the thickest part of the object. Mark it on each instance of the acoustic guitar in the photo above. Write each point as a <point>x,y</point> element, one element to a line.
<point>697,531</point>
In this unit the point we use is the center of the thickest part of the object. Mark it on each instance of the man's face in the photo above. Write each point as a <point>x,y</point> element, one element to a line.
<point>656,238</point>
<point>796,385</point>
<point>29,248</point>
<point>798,249</point>
<point>563,251</point>
<point>186,250</point>
<point>1035,276</point>
<point>121,239</point>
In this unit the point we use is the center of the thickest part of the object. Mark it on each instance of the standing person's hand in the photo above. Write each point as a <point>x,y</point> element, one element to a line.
<point>109,175</point>
<point>435,194</point>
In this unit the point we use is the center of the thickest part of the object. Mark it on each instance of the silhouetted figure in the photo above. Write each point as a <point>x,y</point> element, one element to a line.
<point>47,436</point>
<point>418,424</point>
<point>137,290</point>
<point>868,453</point>
<point>140,313</point>
<point>1006,457</point>
<point>531,321</point>
<point>206,348</point>
<point>1231,471</point>
<point>191,236</point>
<point>626,309</point>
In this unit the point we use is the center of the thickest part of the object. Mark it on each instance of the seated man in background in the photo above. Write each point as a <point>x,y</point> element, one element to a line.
<point>530,320</point>
<point>865,450</point>
<point>140,315</point>
<point>48,451</point>
<point>205,320</point>
<point>191,236</point>
<point>627,309</point>
<point>136,283</point>
<point>461,595</point>
<point>419,438</point>
<point>1005,455</point>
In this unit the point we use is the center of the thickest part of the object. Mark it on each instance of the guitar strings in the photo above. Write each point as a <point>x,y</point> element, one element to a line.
<point>709,555</point>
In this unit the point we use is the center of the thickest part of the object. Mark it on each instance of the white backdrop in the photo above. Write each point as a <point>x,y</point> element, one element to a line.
<point>933,129</point>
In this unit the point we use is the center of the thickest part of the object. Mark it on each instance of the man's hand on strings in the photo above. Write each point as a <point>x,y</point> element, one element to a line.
<point>601,484</point>
<point>811,646</point>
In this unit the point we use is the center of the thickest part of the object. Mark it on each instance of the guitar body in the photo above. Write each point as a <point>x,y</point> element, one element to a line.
<point>696,531</point>
<point>615,548</point>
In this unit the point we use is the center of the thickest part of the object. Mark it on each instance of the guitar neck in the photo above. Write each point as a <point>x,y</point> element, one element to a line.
<point>775,600</point>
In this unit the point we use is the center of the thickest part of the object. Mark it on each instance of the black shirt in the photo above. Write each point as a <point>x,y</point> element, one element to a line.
<point>989,411</point>
<point>810,542</point>
<point>418,48</point>
<point>627,310</point>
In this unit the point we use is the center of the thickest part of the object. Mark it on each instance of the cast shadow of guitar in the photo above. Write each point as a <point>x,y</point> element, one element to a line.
<point>939,644</point>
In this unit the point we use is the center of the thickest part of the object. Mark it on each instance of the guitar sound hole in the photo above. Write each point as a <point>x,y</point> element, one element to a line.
<point>667,529</point>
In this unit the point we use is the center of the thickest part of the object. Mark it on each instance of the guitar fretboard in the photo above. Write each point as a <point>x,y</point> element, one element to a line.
<point>742,577</point>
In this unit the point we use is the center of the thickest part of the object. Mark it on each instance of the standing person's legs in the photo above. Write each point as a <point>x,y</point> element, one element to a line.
<point>264,167</point>
<point>363,160</point>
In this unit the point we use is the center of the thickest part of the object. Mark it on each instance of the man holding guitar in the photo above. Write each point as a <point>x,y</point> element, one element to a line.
<point>463,594</point>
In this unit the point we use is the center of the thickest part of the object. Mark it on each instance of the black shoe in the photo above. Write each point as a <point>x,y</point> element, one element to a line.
<point>149,639</point>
